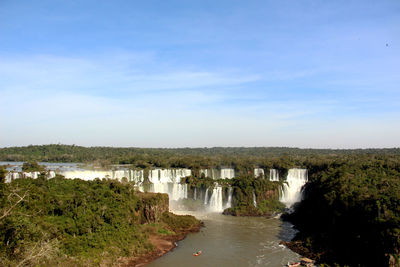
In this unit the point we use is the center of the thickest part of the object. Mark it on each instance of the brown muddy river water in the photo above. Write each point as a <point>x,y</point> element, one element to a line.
<point>233,241</point>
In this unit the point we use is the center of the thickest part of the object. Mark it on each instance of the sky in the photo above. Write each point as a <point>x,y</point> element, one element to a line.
<point>309,74</point>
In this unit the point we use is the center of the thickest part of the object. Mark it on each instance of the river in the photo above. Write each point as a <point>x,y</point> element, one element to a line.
<point>233,241</point>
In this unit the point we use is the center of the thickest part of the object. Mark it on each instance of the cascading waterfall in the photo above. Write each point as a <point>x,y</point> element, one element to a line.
<point>179,191</point>
<point>131,175</point>
<point>273,175</point>
<point>229,201</point>
<point>216,200</point>
<point>227,173</point>
<point>169,181</point>
<point>223,173</point>
<point>254,199</point>
<point>206,197</point>
<point>290,192</point>
<point>51,174</point>
<point>12,175</point>
<point>258,172</point>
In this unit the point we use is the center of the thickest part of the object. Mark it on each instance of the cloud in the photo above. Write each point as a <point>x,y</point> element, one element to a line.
<point>99,76</point>
<point>128,99</point>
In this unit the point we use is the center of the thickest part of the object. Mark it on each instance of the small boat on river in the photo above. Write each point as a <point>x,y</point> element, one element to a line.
<point>198,253</point>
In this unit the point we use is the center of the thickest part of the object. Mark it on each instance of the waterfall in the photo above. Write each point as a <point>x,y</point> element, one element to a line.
<point>273,175</point>
<point>34,175</point>
<point>12,176</point>
<point>223,173</point>
<point>216,200</point>
<point>195,194</point>
<point>51,174</point>
<point>130,175</point>
<point>206,173</point>
<point>137,176</point>
<point>229,201</point>
<point>206,197</point>
<point>169,181</point>
<point>179,191</point>
<point>258,172</point>
<point>227,173</point>
<point>254,199</point>
<point>290,193</point>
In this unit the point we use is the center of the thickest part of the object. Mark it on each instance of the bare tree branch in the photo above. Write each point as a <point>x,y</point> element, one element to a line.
<point>7,212</point>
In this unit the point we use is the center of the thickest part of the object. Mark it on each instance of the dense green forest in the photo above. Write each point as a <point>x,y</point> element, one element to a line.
<point>350,212</point>
<point>172,157</point>
<point>63,222</point>
<point>349,215</point>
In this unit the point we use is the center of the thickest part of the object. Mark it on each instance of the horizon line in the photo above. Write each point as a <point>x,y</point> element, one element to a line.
<point>212,147</point>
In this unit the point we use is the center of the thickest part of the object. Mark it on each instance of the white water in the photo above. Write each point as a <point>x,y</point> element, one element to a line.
<point>19,175</point>
<point>229,201</point>
<point>227,173</point>
<point>216,200</point>
<point>179,191</point>
<point>223,173</point>
<point>168,175</point>
<point>206,197</point>
<point>195,194</point>
<point>258,172</point>
<point>254,199</point>
<point>136,176</point>
<point>168,181</point>
<point>273,175</point>
<point>290,193</point>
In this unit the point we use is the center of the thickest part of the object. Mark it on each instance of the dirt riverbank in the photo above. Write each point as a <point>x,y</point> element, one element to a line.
<point>162,245</point>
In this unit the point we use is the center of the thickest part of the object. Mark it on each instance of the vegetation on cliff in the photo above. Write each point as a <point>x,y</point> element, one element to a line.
<point>32,166</point>
<point>63,222</point>
<point>248,189</point>
<point>350,213</point>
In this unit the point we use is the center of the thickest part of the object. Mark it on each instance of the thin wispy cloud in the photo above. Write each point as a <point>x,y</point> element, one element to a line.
<point>264,73</point>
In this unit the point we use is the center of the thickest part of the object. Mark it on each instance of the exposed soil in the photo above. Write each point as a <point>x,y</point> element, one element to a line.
<point>162,245</point>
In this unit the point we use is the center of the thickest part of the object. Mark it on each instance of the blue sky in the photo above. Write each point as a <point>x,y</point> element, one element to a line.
<point>323,74</point>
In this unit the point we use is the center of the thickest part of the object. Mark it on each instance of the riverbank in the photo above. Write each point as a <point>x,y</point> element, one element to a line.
<point>300,248</point>
<point>232,241</point>
<point>162,245</point>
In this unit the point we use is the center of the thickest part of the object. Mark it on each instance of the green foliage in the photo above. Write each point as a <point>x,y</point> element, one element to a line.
<point>351,210</point>
<point>32,166</point>
<point>87,219</point>
<point>178,223</point>
<point>3,174</point>
<point>243,159</point>
<point>269,206</point>
<point>265,191</point>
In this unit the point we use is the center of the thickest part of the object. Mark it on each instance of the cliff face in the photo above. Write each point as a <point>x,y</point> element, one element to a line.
<point>151,206</point>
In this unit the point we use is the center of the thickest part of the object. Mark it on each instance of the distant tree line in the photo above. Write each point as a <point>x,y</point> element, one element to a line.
<point>168,157</point>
